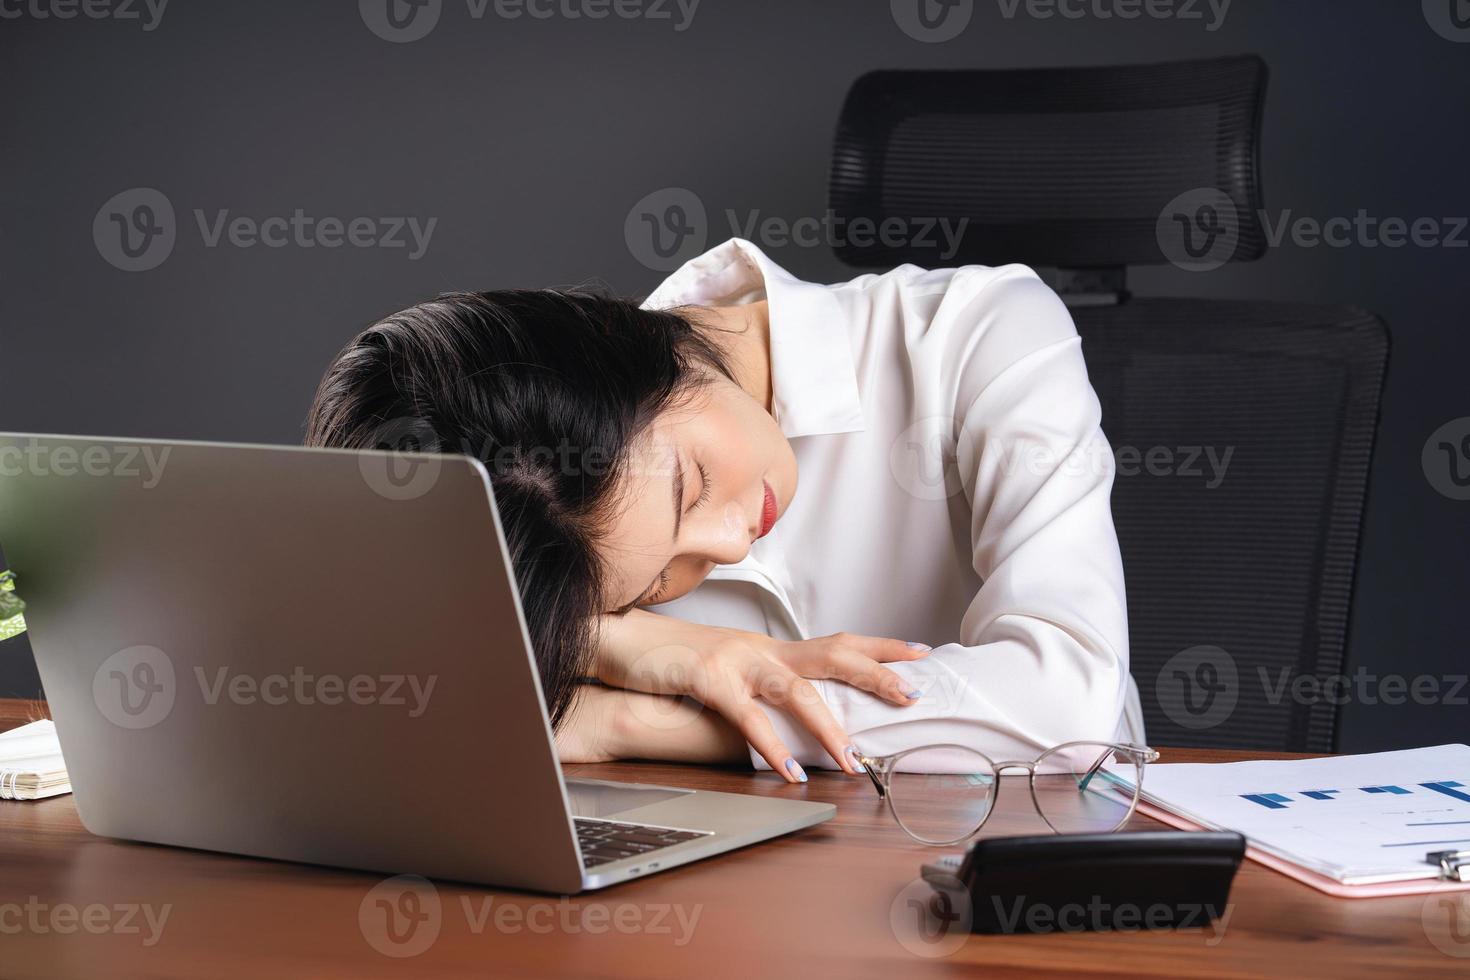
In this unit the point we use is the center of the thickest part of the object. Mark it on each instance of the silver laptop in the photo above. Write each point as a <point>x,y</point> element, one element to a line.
<point>319,656</point>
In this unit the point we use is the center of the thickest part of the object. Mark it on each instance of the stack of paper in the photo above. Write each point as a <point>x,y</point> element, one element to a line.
<point>31,766</point>
<point>1355,819</point>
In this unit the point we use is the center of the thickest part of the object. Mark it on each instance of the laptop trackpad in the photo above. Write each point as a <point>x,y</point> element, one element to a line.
<point>604,799</point>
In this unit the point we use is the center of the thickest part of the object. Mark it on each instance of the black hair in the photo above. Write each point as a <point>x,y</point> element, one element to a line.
<point>549,388</point>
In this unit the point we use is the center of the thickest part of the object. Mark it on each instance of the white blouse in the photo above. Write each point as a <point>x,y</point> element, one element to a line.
<point>953,490</point>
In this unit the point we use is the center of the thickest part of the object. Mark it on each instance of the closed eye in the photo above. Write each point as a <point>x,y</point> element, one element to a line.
<point>704,487</point>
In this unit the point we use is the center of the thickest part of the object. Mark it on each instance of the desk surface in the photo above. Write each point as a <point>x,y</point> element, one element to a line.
<point>835,897</point>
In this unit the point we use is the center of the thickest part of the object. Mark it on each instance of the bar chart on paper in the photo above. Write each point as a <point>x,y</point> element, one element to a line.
<point>1356,819</point>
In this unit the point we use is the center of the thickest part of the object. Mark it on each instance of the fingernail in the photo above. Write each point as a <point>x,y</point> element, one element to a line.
<point>796,771</point>
<point>914,695</point>
<point>919,646</point>
<point>852,757</point>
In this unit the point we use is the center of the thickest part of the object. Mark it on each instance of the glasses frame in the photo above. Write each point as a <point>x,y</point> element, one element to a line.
<point>880,770</point>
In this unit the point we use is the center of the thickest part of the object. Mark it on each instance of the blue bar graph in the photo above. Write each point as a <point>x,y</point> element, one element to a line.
<point>1448,787</point>
<point>1280,801</point>
<point>1271,801</point>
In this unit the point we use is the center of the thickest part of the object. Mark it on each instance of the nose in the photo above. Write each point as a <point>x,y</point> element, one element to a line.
<point>722,537</point>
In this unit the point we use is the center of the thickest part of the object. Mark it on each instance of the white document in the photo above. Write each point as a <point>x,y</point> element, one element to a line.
<point>1356,818</point>
<point>31,766</point>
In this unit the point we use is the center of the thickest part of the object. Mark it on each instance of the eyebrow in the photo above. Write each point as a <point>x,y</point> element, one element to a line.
<point>678,483</point>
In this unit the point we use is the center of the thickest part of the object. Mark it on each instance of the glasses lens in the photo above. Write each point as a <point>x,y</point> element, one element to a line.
<point>942,793</point>
<point>1079,789</point>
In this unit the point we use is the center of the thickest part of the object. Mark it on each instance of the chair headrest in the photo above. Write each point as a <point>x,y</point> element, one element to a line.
<point>1072,167</point>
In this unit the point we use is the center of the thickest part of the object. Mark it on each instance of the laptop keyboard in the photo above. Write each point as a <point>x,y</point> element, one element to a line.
<point>604,840</point>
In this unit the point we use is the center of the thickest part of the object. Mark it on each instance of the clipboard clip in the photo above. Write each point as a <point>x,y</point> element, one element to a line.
<point>1453,865</point>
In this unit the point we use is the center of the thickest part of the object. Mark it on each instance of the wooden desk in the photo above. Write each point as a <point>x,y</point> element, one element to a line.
<point>831,900</point>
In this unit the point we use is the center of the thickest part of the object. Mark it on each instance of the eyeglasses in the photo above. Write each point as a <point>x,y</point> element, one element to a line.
<point>943,794</point>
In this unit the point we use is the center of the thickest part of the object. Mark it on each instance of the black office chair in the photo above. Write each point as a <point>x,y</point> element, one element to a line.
<point>1089,171</point>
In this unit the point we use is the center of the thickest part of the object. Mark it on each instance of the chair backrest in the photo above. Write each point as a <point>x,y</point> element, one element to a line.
<point>1243,431</point>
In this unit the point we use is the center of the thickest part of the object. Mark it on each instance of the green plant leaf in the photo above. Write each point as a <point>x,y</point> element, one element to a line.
<point>11,607</point>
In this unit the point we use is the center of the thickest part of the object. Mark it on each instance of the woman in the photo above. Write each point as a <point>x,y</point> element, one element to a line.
<point>948,573</point>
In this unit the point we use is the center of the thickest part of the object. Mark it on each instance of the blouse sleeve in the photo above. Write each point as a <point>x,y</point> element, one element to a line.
<point>1042,655</point>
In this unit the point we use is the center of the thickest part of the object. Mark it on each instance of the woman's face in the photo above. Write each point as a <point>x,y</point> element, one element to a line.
<point>706,479</point>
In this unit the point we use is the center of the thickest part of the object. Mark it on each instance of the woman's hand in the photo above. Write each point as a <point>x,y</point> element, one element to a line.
<point>728,671</point>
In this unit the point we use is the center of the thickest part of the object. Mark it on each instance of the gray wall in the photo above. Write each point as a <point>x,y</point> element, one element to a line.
<point>529,140</point>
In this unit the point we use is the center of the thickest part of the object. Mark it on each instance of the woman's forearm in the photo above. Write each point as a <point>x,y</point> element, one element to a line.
<point>608,723</point>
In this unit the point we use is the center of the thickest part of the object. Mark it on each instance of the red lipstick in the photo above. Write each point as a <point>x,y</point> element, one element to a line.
<point>768,511</point>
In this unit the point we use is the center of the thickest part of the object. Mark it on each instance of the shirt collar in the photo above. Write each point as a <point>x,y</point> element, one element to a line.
<point>813,382</point>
